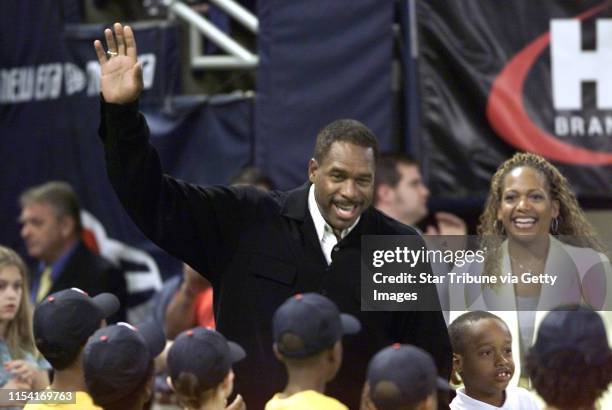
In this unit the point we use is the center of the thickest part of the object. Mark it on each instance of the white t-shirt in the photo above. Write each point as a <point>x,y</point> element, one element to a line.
<point>517,398</point>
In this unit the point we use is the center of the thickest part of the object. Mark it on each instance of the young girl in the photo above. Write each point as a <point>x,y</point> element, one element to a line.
<point>20,368</point>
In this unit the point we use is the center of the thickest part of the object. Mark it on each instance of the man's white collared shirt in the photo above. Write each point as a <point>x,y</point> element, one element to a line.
<point>325,233</point>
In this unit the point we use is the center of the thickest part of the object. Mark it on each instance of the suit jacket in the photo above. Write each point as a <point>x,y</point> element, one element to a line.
<point>257,249</point>
<point>94,274</point>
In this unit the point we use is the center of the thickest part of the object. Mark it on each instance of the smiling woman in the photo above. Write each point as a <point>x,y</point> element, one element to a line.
<point>528,200</point>
<point>532,223</point>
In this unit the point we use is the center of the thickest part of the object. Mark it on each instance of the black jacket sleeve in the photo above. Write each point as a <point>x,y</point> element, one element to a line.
<point>194,224</point>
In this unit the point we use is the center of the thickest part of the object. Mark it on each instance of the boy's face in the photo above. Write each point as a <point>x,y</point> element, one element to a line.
<point>486,365</point>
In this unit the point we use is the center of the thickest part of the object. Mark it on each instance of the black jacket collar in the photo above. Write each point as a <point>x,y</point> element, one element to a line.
<point>296,204</point>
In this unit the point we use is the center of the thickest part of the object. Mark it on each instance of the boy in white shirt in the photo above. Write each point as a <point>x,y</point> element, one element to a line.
<point>482,356</point>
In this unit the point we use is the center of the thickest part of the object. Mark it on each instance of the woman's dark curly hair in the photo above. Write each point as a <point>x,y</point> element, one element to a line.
<point>568,380</point>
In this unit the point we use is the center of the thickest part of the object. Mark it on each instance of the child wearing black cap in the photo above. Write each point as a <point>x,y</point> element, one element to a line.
<point>570,363</point>
<point>482,356</point>
<point>118,363</point>
<point>200,369</point>
<point>308,333</point>
<point>63,322</point>
<point>403,377</point>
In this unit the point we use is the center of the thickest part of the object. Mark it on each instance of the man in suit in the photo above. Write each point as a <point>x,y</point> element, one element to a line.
<point>51,230</point>
<point>260,248</point>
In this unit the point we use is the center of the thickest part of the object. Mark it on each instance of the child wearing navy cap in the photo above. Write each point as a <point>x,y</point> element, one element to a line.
<point>570,363</point>
<point>200,369</point>
<point>63,322</point>
<point>118,364</point>
<point>403,377</point>
<point>308,332</point>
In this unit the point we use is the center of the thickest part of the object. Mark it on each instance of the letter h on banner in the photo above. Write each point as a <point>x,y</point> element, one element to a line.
<point>571,65</point>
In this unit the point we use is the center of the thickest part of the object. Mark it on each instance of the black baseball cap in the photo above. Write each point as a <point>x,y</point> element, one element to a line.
<point>313,321</point>
<point>402,375</point>
<point>117,359</point>
<point>63,321</point>
<point>575,328</point>
<point>205,353</point>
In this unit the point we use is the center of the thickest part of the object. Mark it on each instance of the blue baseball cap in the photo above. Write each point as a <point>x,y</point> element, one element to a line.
<point>205,353</point>
<point>117,359</point>
<point>63,321</point>
<point>402,375</point>
<point>314,323</point>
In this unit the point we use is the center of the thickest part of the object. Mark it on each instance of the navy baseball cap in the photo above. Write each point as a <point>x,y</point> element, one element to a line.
<point>312,322</point>
<point>573,328</point>
<point>117,359</point>
<point>205,353</point>
<point>402,375</point>
<point>64,320</point>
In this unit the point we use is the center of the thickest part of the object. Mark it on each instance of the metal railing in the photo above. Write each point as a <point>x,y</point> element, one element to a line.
<point>238,56</point>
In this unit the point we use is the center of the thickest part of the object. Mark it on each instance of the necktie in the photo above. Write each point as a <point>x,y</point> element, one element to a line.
<point>45,284</point>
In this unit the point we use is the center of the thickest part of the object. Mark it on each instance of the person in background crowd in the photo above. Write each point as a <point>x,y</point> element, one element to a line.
<point>402,377</point>
<point>308,332</point>
<point>259,248</point>
<point>63,322</point>
<point>191,305</point>
<point>399,192</point>
<point>118,364</point>
<point>200,370</point>
<point>21,369</point>
<point>570,363</point>
<point>254,176</point>
<point>482,356</point>
<point>51,230</point>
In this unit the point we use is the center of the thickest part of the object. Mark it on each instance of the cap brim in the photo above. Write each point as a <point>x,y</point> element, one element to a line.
<point>154,337</point>
<point>442,384</point>
<point>350,324</point>
<point>107,303</point>
<point>237,353</point>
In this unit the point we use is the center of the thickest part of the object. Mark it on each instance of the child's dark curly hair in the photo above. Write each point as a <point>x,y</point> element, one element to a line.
<point>568,380</point>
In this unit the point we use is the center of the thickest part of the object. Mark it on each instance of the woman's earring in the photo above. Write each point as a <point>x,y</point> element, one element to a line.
<point>554,226</point>
<point>499,227</point>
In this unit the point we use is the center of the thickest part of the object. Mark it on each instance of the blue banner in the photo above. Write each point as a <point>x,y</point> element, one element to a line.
<point>319,61</point>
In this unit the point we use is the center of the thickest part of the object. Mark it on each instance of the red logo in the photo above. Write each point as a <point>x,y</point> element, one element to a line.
<point>508,117</point>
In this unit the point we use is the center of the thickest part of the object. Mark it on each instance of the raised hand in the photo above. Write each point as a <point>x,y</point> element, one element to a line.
<point>121,73</point>
<point>447,224</point>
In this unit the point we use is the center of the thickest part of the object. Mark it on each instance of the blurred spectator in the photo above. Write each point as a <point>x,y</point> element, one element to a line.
<point>191,305</point>
<point>108,11</point>
<point>400,193</point>
<point>51,229</point>
<point>20,369</point>
<point>252,176</point>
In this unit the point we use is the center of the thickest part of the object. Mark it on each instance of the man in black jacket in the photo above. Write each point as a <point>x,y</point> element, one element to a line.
<point>51,229</point>
<point>259,248</point>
